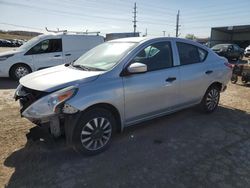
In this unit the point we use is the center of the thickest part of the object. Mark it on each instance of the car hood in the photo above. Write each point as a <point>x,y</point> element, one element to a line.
<point>9,52</point>
<point>57,77</point>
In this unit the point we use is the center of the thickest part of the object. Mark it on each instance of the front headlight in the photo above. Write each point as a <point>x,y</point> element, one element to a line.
<point>48,105</point>
<point>4,57</point>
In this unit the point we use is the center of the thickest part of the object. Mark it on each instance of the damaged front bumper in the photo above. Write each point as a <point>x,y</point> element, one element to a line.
<point>46,108</point>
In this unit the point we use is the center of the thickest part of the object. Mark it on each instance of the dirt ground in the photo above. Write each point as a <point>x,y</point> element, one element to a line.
<point>185,149</point>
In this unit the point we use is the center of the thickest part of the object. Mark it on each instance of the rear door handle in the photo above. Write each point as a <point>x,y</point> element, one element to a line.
<point>170,79</point>
<point>67,54</point>
<point>57,55</point>
<point>209,72</point>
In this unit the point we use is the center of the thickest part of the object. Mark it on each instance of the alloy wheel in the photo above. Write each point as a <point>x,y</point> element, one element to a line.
<point>212,99</point>
<point>21,71</point>
<point>96,133</point>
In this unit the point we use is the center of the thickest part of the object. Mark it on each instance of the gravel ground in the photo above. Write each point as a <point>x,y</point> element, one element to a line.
<point>185,149</point>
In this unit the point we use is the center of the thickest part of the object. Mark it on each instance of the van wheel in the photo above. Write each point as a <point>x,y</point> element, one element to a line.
<point>210,100</point>
<point>19,70</point>
<point>94,131</point>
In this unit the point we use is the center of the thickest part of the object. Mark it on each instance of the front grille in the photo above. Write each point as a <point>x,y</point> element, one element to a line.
<point>29,96</point>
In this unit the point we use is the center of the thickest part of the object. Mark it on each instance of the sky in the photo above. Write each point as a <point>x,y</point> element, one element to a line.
<point>108,16</point>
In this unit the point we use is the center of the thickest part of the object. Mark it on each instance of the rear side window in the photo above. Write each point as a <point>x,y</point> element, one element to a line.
<point>46,46</point>
<point>190,54</point>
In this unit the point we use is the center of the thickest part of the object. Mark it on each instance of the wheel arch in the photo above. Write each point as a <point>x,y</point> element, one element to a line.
<point>110,108</point>
<point>217,84</point>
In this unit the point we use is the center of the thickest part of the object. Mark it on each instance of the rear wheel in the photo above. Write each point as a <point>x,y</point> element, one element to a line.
<point>234,79</point>
<point>244,79</point>
<point>211,99</point>
<point>19,70</point>
<point>94,131</point>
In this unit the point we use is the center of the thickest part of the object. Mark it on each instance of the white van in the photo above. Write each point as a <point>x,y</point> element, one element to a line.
<point>45,51</point>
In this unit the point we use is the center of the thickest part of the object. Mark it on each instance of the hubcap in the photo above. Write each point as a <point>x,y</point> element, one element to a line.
<point>21,71</point>
<point>212,99</point>
<point>96,133</point>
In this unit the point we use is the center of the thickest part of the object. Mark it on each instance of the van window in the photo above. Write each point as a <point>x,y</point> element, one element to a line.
<point>190,54</point>
<point>46,46</point>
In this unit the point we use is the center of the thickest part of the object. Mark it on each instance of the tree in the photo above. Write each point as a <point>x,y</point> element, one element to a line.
<point>190,36</point>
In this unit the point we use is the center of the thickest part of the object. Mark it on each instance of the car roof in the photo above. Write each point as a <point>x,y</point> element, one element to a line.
<point>140,39</point>
<point>145,39</point>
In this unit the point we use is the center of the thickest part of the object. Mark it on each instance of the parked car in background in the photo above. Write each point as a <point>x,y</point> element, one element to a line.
<point>5,43</point>
<point>230,51</point>
<point>121,83</point>
<point>45,51</point>
<point>247,51</point>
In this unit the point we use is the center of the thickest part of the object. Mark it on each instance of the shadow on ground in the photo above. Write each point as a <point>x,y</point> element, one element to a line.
<point>185,149</point>
<point>8,83</point>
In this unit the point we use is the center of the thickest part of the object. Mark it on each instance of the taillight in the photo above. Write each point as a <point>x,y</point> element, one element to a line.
<point>231,66</point>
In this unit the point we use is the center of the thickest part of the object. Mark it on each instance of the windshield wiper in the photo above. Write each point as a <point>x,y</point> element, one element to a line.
<point>81,67</point>
<point>87,68</point>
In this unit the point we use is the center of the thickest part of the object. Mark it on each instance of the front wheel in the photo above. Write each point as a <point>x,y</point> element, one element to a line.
<point>18,71</point>
<point>211,99</point>
<point>94,131</point>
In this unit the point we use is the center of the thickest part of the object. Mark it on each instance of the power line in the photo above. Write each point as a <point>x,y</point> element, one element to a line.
<point>22,26</point>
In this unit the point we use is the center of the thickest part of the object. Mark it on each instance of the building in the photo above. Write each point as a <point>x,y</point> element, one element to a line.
<point>231,34</point>
<point>112,36</point>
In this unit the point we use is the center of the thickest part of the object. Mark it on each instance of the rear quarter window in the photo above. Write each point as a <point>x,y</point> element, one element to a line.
<point>190,54</point>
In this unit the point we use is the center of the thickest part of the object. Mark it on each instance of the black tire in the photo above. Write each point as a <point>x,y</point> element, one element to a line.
<point>244,79</point>
<point>86,131</point>
<point>211,99</point>
<point>234,79</point>
<point>19,70</point>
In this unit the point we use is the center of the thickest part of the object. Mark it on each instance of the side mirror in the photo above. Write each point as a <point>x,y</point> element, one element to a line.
<point>137,68</point>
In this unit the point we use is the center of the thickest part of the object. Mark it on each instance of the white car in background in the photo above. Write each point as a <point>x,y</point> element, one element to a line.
<point>45,51</point>
<point>247,51</point>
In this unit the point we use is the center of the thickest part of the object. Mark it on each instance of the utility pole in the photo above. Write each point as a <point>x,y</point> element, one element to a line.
<point>146,33</point>
<point>164,33</point>
<point>177,24</point>
<point>135,21</point>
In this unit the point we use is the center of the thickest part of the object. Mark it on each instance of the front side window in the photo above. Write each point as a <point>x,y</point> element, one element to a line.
<point>190,54</point>
<point>47,46</point>
<point>156,56</point>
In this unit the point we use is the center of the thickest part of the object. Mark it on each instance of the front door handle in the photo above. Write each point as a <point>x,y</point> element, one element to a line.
<point>67,54</point>
<point>170,79</point>
<point>57,55</point>
<point>209,72</point>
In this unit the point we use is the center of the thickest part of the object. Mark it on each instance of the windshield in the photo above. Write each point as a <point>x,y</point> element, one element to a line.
<point>220,46</point>
<point>104,56</point>
<point>29,43</point>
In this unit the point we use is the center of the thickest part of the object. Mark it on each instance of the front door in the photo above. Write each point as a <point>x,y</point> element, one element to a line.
<point>47,53</point>
<point>155,91</point>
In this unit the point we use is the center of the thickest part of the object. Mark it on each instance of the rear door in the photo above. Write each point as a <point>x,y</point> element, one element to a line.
<point>47,53</point>
<point>155,91</point>
<point>195,72</point>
